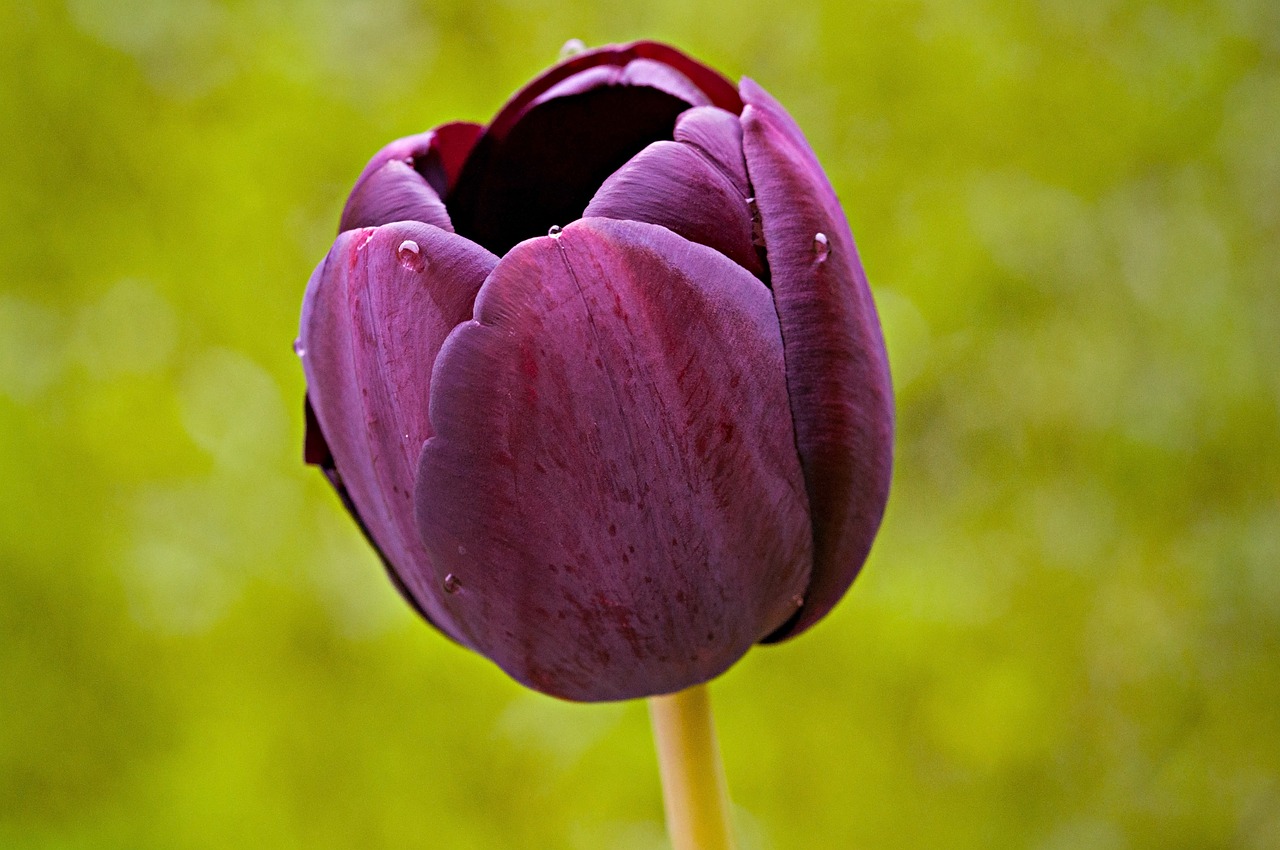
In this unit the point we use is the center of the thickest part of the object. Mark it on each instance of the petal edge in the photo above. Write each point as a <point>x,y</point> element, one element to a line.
<point>837,368</point>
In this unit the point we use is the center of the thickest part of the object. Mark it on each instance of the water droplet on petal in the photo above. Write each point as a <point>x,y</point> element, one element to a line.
<point>821,247</point>
<point>554,232</point>
<point>410,255</point>
<point>298,348</point>
<point>451,584</point>
<point>572,47</point>
<point>797,601</point>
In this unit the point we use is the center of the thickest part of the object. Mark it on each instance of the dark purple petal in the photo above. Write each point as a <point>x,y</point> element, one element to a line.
<point>395,192</point>
<point>548,150</point>
<point>718,135</point>
<point>638,72</point>
<point>679,186</point>
<point>315,449</point>
<point>611,487</point>
<point>374,317</point>
<point>711,83</point>
<point>406,179</point>
<point>837,369</point>
<point>547,167</point>
<point>437,154</point>
<point>317,453</point>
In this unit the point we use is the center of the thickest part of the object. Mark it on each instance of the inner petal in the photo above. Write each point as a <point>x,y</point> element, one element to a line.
<point>546,168</point>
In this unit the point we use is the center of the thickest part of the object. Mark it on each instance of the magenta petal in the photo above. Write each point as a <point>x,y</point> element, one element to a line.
<point>677,186</point>
<point>374,317</point>
<point>437,154</point>
<point>395,192</point>
<point>611,487</point>
<point>718,135</point>
<point>406,179</point>
<point>837,369</point>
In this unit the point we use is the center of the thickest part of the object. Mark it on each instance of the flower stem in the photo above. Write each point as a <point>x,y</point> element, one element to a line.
<point>693,785</point>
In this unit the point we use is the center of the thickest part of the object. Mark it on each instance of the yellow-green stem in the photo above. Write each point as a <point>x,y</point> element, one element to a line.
<point>693,786</point>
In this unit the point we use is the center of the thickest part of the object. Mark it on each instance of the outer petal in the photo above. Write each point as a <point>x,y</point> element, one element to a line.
<point>374,317</point>
<point>613,482</point>
<point>837,369</point>
<point>547,151</point>
<point>316,452</point>
<point>697,189</point>
<point>406,179</point>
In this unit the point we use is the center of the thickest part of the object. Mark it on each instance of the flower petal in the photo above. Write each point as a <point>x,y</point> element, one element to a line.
<point>637,72</point>
<point>374,317</point>
<point>677,186</point>
<point>717,133</point>
<point>711,83</point>
<point>547,167</point>
<point>395,192</point>
<point>317,453</point>
<point>315,448</point>
<point>610,485</point>
<point>406,179</point>
<point>548,150</point>
<point>837,369</point>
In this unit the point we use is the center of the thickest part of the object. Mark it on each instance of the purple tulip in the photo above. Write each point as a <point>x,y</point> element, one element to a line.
<point>603,381</point>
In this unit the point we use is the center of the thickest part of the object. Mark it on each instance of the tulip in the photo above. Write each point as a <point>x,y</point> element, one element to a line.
<point>603,381</point>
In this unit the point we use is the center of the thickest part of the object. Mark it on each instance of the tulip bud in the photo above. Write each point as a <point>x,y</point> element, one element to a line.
<point>603,381</point>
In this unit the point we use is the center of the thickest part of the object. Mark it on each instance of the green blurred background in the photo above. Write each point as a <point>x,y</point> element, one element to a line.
<point>1068,635</point>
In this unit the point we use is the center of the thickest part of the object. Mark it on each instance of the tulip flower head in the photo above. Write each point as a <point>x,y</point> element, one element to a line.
<point>602,380</point>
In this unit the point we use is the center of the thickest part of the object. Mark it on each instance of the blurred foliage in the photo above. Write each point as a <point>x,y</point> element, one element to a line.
<point>1068,635</point>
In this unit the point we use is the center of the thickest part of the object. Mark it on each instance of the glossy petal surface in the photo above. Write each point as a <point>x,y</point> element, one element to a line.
<point>374,317</point>
<point>837,369</point>
<point>395,192</point>
<point>717,133</point>
<point>688,189</point>
<point>406,179</point>
<point>611,483</point>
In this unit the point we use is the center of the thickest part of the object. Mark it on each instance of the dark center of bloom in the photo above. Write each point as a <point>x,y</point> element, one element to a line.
<point>547,167</point>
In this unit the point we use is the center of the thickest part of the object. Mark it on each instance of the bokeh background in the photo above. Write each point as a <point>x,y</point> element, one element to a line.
<point>1068,635</point>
